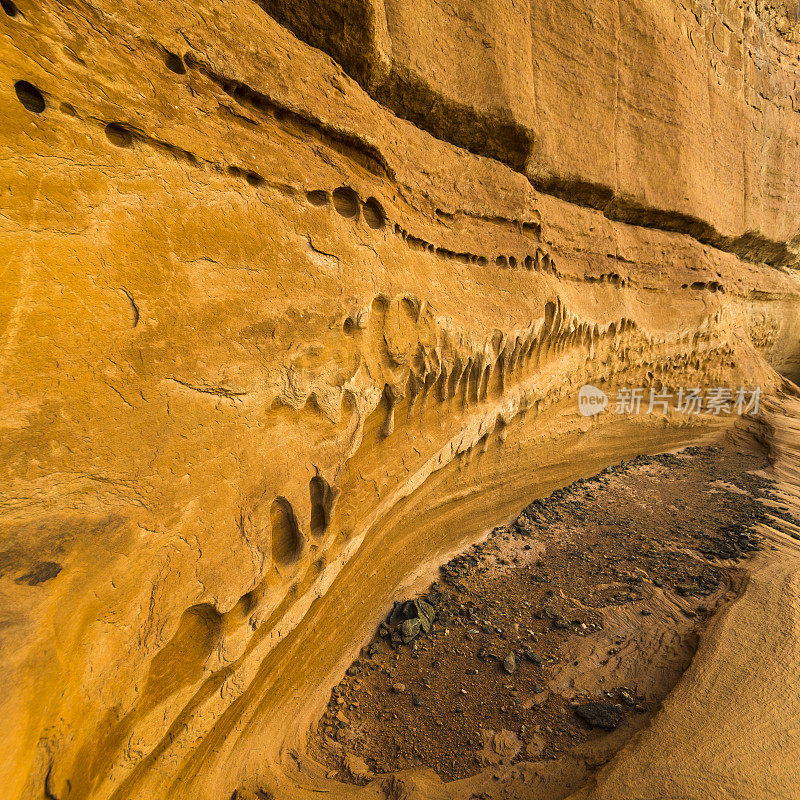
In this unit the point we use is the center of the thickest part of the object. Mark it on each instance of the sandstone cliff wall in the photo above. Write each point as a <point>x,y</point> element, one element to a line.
<point>676,115</point>
<point>280,331</point>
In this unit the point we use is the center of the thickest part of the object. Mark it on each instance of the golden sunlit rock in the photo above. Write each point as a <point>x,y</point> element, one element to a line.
<point>296,301</point>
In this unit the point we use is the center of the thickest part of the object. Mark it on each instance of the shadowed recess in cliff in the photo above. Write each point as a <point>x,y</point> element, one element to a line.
<point>351,32</point>
<point>750,246</point>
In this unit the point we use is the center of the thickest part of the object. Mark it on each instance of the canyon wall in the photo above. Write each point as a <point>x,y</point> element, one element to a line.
<point>296,299</point>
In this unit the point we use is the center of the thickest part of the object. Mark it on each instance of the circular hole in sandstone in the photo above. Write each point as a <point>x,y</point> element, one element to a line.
<point>67,109</point>
<point>512,262</point>
<point>501,261</point>
<point>175,63</point>
<point>374,214</point>
<point>317,197</point>
<point>345,201</point>
<point>118,135</point>
<point>30,96</point>
<point>9,8</point>
<point>349,325</point>
<point>528,262</point>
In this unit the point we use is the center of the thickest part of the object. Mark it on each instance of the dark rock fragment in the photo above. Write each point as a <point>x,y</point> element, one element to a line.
<point>410,629</point>
<point>600,715</point>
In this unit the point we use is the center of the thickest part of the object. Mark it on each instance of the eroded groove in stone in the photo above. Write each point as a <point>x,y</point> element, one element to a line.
<point>321,505</point>
<point>287,541</point>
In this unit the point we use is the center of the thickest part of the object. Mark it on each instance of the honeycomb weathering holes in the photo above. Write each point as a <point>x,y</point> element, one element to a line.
<point>175,63</point>
<point>118,135</point>
<point>29,96</point>
<point>345,201</point>
<point>374,214</point>
<point>254,179</point>
<point>317,197</point>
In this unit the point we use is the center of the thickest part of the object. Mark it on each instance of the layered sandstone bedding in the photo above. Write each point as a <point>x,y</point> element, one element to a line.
<point>295,303</point>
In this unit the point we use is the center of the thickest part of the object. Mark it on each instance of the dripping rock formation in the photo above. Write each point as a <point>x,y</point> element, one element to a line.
<point>295,301</point>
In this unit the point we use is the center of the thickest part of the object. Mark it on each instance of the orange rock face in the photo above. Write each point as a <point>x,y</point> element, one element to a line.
<point>296,298</point>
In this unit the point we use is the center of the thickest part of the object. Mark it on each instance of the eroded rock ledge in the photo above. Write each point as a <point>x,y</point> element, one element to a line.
<point>269,349</point>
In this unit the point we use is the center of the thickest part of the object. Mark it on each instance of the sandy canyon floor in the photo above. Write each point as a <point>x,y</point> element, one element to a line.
<point>559,636</point>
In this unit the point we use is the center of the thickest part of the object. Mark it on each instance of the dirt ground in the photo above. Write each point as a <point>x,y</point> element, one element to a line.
<point>558,636</point>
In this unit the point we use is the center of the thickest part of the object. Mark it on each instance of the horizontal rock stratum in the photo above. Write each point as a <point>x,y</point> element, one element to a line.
<point>296,299</point>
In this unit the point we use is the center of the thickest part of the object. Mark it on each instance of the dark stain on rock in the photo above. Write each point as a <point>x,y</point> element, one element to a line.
<point>42,572</point>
